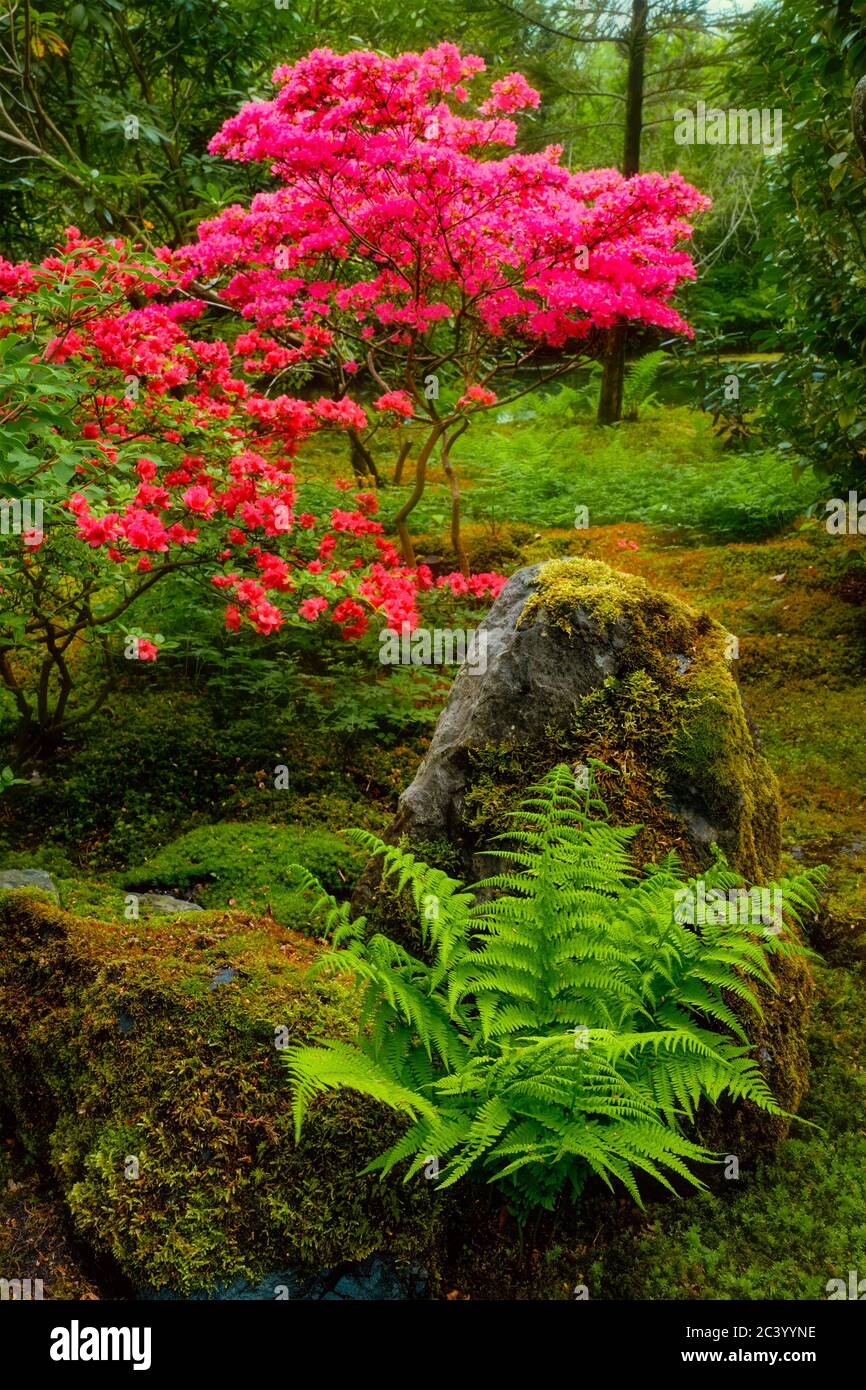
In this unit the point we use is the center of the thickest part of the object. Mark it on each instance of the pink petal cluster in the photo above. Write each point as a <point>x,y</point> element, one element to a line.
<point>477,395</point>
<point>484,585</point>
<point>399,204</point>
<point>210,456</point>
<point>396,401</point>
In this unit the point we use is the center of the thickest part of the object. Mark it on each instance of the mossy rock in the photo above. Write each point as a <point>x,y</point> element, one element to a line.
<point>585,662</point>
<point>588,663</point>
<point>158,1043</point>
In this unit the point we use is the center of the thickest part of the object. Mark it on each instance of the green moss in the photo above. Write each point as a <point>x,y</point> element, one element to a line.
<point>814,737</point>
<point>565,585</point>
<point>499,773</point>
<point>713,746</point>
<point>93,897</point>
<point>248,864</point>
<point>791,1222</point>
<point>629,725</point>
<point>124,1045</point>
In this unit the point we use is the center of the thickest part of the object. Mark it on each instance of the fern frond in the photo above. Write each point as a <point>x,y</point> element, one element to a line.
<point>560,1021</point>
<point>317,1069</point>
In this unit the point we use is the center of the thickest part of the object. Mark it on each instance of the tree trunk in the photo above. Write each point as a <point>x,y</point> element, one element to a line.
<point>415,496</point>
<point>405,446</point>
<point>613,371</point>
<point>363,462</point>
<point>612,377</point>
<point>453,486</point>
<point>634,89</point>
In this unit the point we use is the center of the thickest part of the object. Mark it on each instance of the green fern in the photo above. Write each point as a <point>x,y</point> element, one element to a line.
<point>562,1022</point>
<point>640,379</point>
<point>568,403</point>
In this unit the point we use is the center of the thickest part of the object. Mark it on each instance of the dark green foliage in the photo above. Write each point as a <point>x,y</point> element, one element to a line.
<point>805,58</point>
<point>179,754</point>
<point>564,1023</point>
<point>160,761</point>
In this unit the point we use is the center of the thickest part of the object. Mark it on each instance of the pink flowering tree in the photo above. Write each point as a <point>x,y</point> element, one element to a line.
<point>135,447</point>
<point>417,261</point>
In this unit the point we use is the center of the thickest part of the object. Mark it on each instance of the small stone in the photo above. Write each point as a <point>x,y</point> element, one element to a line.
<point>223,977</point>
<point>30,878</point>
<point>165,903</point>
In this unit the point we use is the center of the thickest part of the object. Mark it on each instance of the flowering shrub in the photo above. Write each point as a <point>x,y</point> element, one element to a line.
<point>149,450</point>
<point>401,254</point>
<point>406,245</point>
<point>475,585</point>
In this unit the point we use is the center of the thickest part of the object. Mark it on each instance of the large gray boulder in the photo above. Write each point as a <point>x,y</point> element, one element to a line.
<point>523,676</point>
<point>575,661</point>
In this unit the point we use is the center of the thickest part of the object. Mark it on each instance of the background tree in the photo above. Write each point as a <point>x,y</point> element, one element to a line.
<point>106,108</point>
<point>398,248</point>
<point>614,72</point>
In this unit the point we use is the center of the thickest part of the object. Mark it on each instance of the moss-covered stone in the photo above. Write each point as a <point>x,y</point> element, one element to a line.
<point>663,714</point>
<point>157,1044</point>
<point>564,586</point>
<point>586,664</point>
<point>250,863</point>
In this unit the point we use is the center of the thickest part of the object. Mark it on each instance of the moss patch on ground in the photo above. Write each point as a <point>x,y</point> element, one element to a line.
<point>247,864</point>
